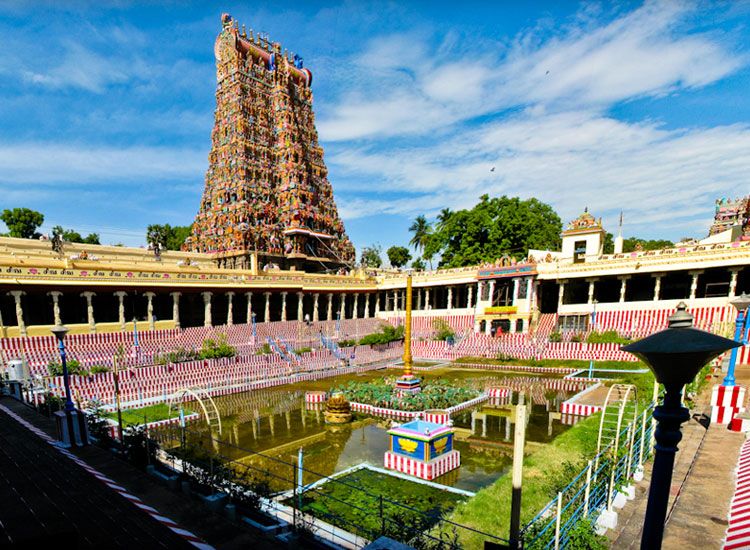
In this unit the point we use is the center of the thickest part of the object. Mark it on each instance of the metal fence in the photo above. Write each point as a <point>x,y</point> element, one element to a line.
<point>330,507</point>
<point>595,489</point>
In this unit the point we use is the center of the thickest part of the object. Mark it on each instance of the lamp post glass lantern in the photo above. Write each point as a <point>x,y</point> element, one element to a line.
<point>741,304</point>
<point>675,356</point>
<point>60,331</point>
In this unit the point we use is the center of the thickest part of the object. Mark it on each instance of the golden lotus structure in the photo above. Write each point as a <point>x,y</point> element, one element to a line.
<point>337,410</point>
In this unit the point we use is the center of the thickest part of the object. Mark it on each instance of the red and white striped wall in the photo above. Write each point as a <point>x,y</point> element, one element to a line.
<point>566,407</point>
<point>738,530</point>
<point>316,397</point>
<point>726,402</point>
<point>423,470</point>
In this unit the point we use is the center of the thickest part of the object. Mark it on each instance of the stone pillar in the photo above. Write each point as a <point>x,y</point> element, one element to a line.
<point>230,306</point>
<point>55,295</point>
<point>480,288</point>
<point>90,310</point>
<point>529,290</point>
<point>377,303</point>
<point>516,284</point>
<point>355,315</point>
<point>329,310</point>
<point>733,282</point>
<point>367,305</point>
<point>560,295</point>
<point>694,283</point>
<point>427,298</point>
<point>395,301</point>
<point>121,308</point>
<point>176,308</point>
<point>267,310</point>
<point>283,306</point>
<point>592,287</point>
<point>342,307</point>
<point>469,296</point>
<point>491,296</point>
<point>657,286</point>
<point>419,298</point>
<point>623,288</point>
<point>300,306</point>
<point>450,299</point>
<point>150,309</point>
<point>249,297</point>
<point>316,297</point>
<point>19,310</point>
<point>207,322</point>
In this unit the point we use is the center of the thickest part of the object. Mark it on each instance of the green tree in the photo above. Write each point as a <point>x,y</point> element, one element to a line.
<point>418,264</point>
<point>420,230</point>
<point>629,244</point>
<point>492,228</point>
<point>92,238</point>
<point>22,222</point>
<point>371,256</point>
<point>399,256</point>
<point>166,236</point>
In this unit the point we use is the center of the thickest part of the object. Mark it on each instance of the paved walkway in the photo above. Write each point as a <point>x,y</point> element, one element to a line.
<point>702,486</point>
<point>189,514</point>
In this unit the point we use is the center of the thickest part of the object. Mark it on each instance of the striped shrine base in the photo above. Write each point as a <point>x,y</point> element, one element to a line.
<point>423,470</point>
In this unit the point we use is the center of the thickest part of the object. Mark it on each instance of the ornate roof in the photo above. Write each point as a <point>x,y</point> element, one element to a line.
<point>584,222</point>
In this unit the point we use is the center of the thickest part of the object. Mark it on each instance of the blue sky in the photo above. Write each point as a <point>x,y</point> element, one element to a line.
<point>106,112</point>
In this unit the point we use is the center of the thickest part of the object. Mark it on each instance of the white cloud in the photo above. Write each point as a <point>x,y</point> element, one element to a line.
<point>660,177</point>
<point>403,88</point>
<point>80,68</point>
<point>41,164</point>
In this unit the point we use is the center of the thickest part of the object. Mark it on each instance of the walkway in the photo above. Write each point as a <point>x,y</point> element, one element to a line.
<point>49,500</point>
<point>702,486</point>
<point>94,502</point>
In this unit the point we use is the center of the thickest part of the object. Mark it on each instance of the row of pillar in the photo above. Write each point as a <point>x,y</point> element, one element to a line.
<point>657,286</point>
<point>207,310</point>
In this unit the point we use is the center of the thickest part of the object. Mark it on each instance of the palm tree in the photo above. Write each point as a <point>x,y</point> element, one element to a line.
<point>421,233</point>
<point>443,217</point>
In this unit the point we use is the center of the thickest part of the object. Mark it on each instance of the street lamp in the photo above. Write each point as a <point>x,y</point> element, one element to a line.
<point>741,304</point>
<point>675,356</point>
<point>60,331</point>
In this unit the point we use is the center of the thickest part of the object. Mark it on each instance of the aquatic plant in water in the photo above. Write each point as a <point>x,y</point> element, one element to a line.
<point>435,394</point>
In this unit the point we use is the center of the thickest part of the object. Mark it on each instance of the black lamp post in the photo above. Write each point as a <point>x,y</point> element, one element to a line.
<point>675,356</point>
<point>60,331</point>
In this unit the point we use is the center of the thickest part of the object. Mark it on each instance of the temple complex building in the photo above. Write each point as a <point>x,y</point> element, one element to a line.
<point>96,289</point>
<point>267,188</point>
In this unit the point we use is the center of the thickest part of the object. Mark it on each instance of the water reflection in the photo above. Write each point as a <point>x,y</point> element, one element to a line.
<point>277,422</point>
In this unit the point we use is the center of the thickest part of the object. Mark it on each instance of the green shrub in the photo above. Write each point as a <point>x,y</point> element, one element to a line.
<point>305,349</point>
<point>347,343</point>
<point>443,330</point>
<point>179,355</point>
<point>216,349</point>
<point>99,369</point>
<point>387,334</point>
<point>435,394</point>
<point>265,349</point>
<point>577,338</point>
<point>74,367</point>
<point>606,337</point>
<point>555,336</point>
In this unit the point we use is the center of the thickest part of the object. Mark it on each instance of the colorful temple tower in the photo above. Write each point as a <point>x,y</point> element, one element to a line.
<point>267,189</point>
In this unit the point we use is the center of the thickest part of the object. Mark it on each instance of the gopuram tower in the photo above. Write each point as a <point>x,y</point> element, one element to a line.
<point>267,189</point>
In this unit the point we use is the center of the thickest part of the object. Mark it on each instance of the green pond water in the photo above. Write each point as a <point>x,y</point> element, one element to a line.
<point>265,428</point>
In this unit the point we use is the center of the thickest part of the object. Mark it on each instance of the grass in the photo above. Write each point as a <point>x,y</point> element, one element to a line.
<point>151,413</point>
<point>342,504</point>
<point>553,363</point>
<point>489,510</point>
